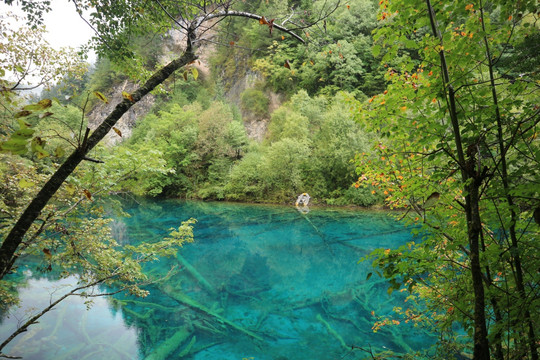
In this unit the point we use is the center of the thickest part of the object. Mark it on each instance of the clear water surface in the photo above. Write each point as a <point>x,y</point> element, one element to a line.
<point>259,283</point>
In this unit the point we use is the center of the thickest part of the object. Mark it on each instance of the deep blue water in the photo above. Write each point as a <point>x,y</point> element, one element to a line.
<point>279,285</point>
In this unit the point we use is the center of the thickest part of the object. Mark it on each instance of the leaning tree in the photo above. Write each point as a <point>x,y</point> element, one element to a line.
<point>115,24</point>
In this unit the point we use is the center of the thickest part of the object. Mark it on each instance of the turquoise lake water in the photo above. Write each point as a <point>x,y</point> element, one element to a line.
<point>278,284</point>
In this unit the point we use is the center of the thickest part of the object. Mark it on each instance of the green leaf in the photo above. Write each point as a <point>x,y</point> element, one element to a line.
<point>18,141</point>
<point>17,147</point>
<point>37,147</point>
<point>59,152</point>
<point>24,134</point>
<point>376,50</point>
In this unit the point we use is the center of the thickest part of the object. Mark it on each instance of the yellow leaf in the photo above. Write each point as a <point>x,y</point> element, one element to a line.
<point>101,97</point>
<point>127,96</point>
<point>45,103</point>
<point>70,189</point>
<point>41,105</point>
<point>42,154</point>
<point>117,131</point>
<point>185,75</point>
<point>23,113</point>
<point>195,73</point>
<point>24,184</point>
<point>59,151</point>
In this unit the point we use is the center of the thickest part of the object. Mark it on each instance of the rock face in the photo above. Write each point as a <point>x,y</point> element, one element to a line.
<point>128,120</point>
<point>243,79</point>
<point>256,127</point>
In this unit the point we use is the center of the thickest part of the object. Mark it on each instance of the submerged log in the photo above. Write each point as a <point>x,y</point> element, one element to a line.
<point>200,279</point>
<point>332,332</point>
<point>186,300</point>
<point>200,348</point>
<point>144,304</point>
<point>169,346</point>
<point>142,317</point>
<point>188,347</point>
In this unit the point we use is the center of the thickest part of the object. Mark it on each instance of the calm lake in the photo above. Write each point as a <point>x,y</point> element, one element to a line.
<point>259,282</point>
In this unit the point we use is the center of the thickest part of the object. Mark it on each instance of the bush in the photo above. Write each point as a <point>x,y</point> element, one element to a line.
<point>354,196</point>
<point>255,102</point>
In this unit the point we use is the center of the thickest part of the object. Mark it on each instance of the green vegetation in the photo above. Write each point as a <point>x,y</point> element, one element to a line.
<point>210,156</point>
<point>255,101</point>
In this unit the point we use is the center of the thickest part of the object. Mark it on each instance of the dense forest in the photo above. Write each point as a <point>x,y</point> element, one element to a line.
<point>428,109</point>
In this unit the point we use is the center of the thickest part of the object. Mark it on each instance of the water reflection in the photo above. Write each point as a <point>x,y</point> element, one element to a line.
<point>68,331</point>
<point>260,281</point>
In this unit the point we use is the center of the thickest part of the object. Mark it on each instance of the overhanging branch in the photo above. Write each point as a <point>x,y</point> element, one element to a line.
<point>13,240</point>
<point>224,13</point>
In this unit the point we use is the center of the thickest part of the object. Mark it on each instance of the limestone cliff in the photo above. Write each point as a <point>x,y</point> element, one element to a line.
<point>128,121</point>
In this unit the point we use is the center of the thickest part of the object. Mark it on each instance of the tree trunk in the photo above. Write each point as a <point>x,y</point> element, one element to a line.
<point>509,199</point>
<point>14,238</point>
<point>474,225</point>
<point>472,204</point>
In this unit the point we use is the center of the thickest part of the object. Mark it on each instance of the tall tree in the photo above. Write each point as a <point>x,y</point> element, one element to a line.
<point>475,119</point>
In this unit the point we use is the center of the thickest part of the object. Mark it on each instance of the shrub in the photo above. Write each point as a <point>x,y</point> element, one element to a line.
<point>255,102</point>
